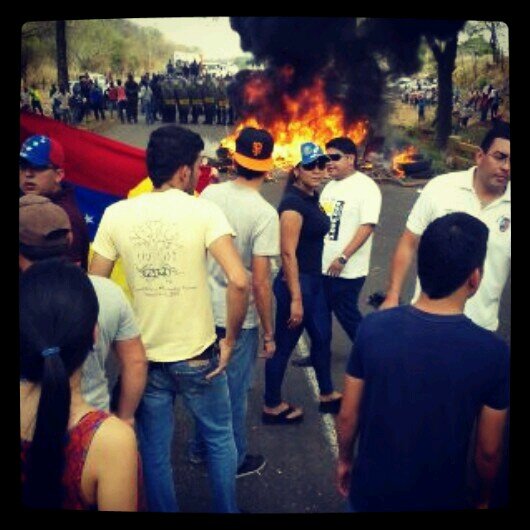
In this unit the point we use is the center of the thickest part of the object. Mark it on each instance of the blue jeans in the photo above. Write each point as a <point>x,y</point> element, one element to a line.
<point>342,297</point>
<point>239,372</point>
<point>209,403</point>
<point>148,110</point>
<point>317,322</point>
<point>112,106</point>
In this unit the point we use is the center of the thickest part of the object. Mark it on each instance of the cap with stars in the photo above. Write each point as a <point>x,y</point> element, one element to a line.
<point>42,151</point>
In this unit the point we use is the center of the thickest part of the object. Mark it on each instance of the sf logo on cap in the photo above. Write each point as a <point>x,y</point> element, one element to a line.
<point>257,147</point>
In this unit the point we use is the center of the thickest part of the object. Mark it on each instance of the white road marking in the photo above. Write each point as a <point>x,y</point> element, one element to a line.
<point>328,422</point>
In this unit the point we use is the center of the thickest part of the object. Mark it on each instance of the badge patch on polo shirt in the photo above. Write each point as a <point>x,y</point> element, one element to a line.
<point>504,223</point>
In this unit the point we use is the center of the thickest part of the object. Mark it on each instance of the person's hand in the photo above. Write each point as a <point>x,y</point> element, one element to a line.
<point>343,477</point>
<point>297,314</point>
<point>390,301</point>
<point>335,268</point>
<point>225,351</point>
<point>269,348</point>
<point>128,421</point>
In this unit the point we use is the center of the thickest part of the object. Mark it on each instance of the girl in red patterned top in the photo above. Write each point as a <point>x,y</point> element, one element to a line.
<point>73,456</point>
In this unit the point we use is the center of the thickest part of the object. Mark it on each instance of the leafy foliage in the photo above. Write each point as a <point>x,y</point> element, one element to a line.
<point>97,45</point>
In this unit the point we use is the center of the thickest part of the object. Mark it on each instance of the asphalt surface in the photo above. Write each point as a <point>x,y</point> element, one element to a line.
<point>299,474</point>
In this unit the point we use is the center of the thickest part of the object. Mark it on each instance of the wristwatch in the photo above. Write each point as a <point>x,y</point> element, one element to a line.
<point>342,259</point>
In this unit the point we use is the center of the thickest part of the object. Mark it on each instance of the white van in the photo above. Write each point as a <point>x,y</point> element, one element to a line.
<point>99,78</point>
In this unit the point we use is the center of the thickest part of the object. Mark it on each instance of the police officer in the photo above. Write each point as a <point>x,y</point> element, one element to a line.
<point>183,100</point>
<point>195,93</point>
<point>222,102</point>
<point>208,96</point>
<point>169,109</point>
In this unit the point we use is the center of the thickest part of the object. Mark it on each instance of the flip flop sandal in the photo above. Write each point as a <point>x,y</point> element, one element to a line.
<point>282,418</point>
<point>330,407</point>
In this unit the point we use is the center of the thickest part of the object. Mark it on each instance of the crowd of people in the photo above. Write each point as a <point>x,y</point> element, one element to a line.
<point>480,103</point>
<point>191,94</point>
<point>199,270</point>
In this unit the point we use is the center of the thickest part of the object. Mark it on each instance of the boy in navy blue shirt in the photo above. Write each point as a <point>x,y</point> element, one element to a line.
<point>417,379</point>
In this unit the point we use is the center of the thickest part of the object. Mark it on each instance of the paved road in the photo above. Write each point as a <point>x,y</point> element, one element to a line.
<point>299,474</point>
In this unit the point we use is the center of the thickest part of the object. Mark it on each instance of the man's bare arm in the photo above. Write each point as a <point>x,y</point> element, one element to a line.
<point>347,426</point>
<point>100,266</point>
<point>488,450</point>
<point>400,265</point>
<point>261,286</point>
<point>225,253</point>
<point>133,361</point>
<point>358,240</point>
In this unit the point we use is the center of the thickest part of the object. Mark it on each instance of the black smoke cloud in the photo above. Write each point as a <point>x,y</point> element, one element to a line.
<point>353,56</point>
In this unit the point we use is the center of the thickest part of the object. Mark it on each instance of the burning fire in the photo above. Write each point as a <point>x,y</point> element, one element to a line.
<point>403,157</point>
<point>308,118</point>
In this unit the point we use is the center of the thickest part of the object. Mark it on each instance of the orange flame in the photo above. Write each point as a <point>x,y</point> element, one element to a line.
<point>403,157</point>
<point>308,118</point>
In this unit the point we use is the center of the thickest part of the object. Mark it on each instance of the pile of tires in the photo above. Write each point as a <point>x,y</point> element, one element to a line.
<point>419,168</point>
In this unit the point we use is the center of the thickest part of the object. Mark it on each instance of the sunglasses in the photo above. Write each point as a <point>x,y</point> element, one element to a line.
<point>335,157</point>
<point>320,162</point>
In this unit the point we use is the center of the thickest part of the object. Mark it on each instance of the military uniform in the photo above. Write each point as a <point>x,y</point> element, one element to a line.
<point>195,93</point>
<point>183,101</point>
<point>222,104</point>
<point>169,109</point>
<point>209,102</point>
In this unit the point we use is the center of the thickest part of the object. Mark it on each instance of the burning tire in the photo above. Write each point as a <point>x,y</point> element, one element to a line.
<point>419,166</point>
<point>427,174</point>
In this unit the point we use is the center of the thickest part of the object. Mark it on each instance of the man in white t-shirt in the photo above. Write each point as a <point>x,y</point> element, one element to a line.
<point>482,191</point>
<point>163,238</point>
<point>352,201</point>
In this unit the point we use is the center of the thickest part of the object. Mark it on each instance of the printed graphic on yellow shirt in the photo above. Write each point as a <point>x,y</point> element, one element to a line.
<point>158,249</point>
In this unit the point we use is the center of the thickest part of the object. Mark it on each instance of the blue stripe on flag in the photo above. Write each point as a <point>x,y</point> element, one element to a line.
<point>92,205</point>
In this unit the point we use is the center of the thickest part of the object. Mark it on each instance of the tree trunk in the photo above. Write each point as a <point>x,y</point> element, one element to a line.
<point>494,42</point>
<point>62,62</point>
<point>445,60</point>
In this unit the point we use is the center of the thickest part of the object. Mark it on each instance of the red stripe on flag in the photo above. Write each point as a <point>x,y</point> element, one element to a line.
<point>91,160</point>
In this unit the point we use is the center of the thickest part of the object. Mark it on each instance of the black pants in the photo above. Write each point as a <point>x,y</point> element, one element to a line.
<point>342,297</point>
<point>132,110</point>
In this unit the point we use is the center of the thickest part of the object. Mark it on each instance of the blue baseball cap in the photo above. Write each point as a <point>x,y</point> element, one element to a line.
<point>311,152</point>
<point>42,151</point>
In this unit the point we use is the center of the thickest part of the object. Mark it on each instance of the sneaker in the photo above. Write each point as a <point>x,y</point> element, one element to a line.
<point>251,464</point>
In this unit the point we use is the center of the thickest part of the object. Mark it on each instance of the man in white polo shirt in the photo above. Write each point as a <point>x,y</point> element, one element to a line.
<point>482,191</point>
<point>352,200</point>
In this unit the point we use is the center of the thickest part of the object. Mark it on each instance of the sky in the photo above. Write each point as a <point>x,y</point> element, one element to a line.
<point>217,39</point>
<point>213,35</point>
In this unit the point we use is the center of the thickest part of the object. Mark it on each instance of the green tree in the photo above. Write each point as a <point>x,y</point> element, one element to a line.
<point>493,28</point>
<point>445,55</point>
<point>35,45</point>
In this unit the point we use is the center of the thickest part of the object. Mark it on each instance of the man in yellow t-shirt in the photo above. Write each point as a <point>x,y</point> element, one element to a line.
<point>163,238</point>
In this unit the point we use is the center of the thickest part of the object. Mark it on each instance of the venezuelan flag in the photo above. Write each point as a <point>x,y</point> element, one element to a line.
<point>101,170</point>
